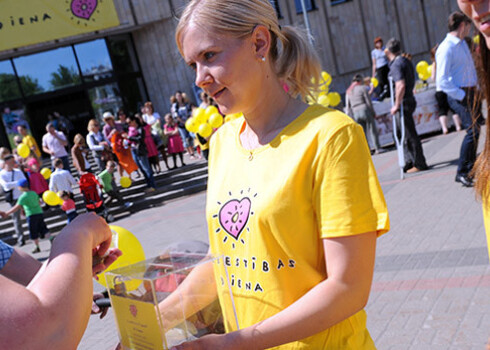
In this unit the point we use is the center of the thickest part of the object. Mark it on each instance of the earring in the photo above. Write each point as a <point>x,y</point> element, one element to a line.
<point>263,59</point>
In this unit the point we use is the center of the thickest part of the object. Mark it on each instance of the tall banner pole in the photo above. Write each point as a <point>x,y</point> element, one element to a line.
<point>307,22</point>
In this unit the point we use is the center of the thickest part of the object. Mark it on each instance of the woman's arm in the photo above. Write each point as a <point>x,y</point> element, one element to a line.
<point>21,267</point>
<point>54,309</point>
<point>349,264</point>
<point>91,143</point>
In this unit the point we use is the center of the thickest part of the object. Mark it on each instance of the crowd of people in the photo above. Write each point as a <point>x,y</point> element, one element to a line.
<point>322,218</point>
<point>129,144</point>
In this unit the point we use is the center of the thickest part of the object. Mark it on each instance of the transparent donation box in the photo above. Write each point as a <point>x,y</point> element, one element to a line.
<point>164,301</point>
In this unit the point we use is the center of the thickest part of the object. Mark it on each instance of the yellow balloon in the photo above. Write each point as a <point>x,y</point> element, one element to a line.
<point>23,150</point>
<point>334,98</point>
<point>125,181</point>
<point>61,201</point>
<point>375,82</point>
<point>46,173</point>
<point>422,67</point>
<point>51,198</point>
<point>199,115</point>
<point>327,78</point>
<point>324,100</point>
<point>205,130</point>
<point>424,76</point>
<point>132,253</point>
<point>191,124</point>
<point>209,111</point>
<point>216,120</point>
<point>429,70</point>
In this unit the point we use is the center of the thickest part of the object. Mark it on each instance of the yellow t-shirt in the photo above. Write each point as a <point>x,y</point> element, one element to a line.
<point>268,210</point>
<point>31,143</point>
<point>486,220</point>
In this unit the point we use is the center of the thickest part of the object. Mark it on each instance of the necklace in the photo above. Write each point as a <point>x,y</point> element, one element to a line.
<point>249,143</point>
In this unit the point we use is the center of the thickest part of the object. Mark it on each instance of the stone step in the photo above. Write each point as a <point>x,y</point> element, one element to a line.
<point>170,184</point>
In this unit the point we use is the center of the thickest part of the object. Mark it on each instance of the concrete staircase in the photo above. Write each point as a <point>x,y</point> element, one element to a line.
<point>171,184</point>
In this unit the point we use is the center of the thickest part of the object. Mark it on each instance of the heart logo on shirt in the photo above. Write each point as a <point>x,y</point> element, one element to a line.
<point>83,8</point>
<point>233,216</point>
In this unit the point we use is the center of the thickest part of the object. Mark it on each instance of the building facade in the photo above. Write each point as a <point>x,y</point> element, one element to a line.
<point>132,58</point>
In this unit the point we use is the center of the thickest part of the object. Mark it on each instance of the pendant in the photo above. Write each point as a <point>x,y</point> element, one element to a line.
<point>250,156</point>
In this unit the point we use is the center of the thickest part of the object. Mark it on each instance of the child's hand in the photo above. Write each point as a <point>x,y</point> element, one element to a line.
<point>3,214</point>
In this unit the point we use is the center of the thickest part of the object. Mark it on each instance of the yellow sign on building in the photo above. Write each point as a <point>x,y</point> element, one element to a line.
<point>26,22</point>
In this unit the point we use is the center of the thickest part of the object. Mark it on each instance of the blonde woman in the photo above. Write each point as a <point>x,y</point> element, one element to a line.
<point>101,151</point>
<point>293,200</point>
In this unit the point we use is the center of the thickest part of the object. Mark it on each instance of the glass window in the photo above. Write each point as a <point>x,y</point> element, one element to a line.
<point>123,55</point>
<point>9,89</point>
<point>105,98</point>
<point>309,5</point>
<point>275,4</point>
<point>133,92</point>
<point>49,70</point>
<point>95,62</point>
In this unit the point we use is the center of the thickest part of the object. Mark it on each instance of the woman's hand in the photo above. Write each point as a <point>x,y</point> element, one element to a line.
<point>216,342</point>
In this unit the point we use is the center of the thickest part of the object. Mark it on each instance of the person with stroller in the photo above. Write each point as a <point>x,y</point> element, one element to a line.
<point>91,191</point>
<point>109,185</point>
<point>29,201</point>
<point>79,153</point>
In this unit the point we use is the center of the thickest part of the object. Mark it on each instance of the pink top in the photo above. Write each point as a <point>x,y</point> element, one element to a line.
<point>37,182</point>
<point>68,205</point>
<point>150,144</point>
<point>33,161</point>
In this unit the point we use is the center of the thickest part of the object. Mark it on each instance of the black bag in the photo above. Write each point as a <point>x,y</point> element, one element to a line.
<point>9,195</point>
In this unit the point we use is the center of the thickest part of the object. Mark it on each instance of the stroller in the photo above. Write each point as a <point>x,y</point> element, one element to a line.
<point>92,195</point>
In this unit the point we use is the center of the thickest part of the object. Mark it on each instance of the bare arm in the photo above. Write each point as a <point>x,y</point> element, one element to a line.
<point>374,67</point>
<point>350,265</point>
<point>12,210</point>
<point>21,267</point>
<point>61,138</point>
<point>399,92</point>
<point>65,283</point>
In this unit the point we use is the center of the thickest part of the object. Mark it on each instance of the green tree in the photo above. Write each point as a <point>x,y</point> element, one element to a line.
<point>64,76</point>
<point>9,90</point>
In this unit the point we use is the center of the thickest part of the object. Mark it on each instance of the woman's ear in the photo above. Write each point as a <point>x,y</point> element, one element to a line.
<point>261,40</point>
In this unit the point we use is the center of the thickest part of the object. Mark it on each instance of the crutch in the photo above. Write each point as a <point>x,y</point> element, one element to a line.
<point>399,140</point>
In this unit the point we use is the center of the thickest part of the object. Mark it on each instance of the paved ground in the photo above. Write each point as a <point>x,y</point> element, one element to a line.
<point>431,286</point>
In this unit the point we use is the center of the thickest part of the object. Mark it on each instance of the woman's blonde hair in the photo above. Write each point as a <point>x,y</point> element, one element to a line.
<point>294,59</point>
<point>91,124</point>
<point>78,139</point>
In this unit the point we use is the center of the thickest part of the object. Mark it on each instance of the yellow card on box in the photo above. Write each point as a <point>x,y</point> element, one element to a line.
<point>138,324</point>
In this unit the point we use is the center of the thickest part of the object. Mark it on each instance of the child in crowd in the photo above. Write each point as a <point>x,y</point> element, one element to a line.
<point>109,185</point>
<point>36,180</point>
<point>29,201</point>
<point>61,180</point>
<point>174,145</point>
<point>68,206</point>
